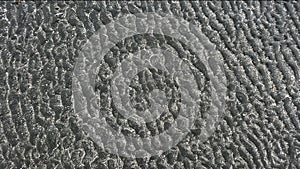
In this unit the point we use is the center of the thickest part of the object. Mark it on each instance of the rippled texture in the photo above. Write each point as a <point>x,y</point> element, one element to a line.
<point>259,42</point>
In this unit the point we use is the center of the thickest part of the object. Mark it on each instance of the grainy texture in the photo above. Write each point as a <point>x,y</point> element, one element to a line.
<point>259,42</point>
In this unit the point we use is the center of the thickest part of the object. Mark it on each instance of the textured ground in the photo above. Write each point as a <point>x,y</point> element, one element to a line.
<point>259,42</point>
